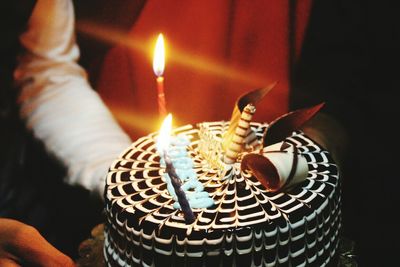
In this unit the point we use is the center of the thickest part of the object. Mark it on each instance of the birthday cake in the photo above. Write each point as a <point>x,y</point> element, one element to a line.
<point>239,219</point>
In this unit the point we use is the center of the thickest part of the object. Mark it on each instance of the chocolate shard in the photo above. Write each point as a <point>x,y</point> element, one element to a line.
<point>284,125</point>
<point>263,169</point>
<point>251,97</point>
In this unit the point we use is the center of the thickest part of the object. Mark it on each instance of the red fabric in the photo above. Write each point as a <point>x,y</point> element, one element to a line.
<point>216,51</point>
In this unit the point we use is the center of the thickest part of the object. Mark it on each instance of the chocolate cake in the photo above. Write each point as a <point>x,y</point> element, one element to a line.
<point>243,223</point>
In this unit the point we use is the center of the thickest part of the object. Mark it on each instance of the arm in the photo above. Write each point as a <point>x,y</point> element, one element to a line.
<point>58,104</point>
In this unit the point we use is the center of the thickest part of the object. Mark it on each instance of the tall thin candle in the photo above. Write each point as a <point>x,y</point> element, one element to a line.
<point>176,183</point>
<point>163,144</point>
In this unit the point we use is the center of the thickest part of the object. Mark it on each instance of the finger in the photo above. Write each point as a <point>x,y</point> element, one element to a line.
<point>32,248</point>
<point>5,262</point>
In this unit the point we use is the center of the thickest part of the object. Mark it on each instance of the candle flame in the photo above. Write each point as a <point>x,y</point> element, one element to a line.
<point>164,138</point>
<point>159,56</point>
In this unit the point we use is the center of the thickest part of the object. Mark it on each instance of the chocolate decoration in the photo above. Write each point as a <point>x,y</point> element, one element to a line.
<point>263,169</point>
<point>294,166</point>
<point>284,146</point>
<point>241,132</point>
<point>286,124</point>
<point>252,97</point>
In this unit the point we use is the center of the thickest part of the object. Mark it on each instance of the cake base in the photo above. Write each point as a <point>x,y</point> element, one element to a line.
<point>91,251</point>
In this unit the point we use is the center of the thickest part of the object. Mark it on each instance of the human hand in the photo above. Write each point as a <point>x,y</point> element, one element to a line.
<point>23,245</point>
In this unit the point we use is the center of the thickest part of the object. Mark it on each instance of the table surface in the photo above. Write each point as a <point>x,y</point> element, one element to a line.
<point>91,251</point>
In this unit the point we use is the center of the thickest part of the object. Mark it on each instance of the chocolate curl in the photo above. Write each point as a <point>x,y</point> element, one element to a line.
<point>252,97</point>
<point>241,131</point>
<point>263,169</point>
<point>276,168</point>
<point>176,183</point>
<point>251,139</point>
<point>286,124</point>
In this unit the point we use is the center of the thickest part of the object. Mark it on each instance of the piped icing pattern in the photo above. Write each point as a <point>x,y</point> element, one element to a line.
<point>246,226</point>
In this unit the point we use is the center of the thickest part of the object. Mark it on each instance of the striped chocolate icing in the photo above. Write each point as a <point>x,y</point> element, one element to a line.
<point>246,226</point>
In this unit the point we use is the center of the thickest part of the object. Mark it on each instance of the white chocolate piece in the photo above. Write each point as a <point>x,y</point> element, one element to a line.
<point>236,144</point>
<point>283,161</point>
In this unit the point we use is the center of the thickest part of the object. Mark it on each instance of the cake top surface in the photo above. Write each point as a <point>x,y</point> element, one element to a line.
<point>136,184</point>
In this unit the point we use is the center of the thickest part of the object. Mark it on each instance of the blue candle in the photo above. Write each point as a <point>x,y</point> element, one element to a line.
<point>183,164</point>
<point>176,183</point>
<point>181,179</point>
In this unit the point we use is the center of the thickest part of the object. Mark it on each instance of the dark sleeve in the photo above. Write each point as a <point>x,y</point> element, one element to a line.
<point>333,59</point>
<point>349,60</point>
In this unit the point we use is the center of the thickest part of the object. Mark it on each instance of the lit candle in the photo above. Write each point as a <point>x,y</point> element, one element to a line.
<point>158,67</point>
<point>163,143</point>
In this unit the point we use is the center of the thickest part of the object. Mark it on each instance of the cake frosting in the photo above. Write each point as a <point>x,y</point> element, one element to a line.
<point>245,224</point>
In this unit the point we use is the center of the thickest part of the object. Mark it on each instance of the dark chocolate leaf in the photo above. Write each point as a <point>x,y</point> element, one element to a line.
<point>263,169</point>
<point>284,125</point>
<point>251,97</point>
